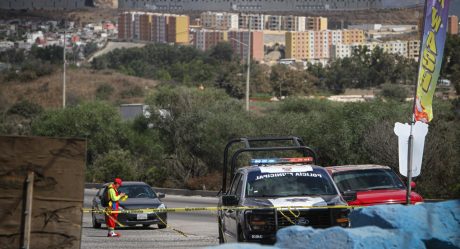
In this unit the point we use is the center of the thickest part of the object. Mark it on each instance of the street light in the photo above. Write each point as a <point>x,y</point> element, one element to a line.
<point>248,61</point>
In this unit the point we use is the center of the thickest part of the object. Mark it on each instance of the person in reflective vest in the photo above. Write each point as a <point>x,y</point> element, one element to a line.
<point>114,197</point>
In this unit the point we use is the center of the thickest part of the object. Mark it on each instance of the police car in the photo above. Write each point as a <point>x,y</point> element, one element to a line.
<point>273,193</point>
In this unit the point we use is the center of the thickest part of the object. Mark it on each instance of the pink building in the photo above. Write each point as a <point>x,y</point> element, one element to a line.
<point>240,39</point>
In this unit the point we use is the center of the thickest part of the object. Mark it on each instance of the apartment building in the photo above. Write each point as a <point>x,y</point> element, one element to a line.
<point>145,27</point>
<point>257,21</point>
<point>452,25</point>
<point>125,25</point>
<point>293,23</point>
<point>299,45</point>
<point>219,20</point>
<point>178,29</point>
<point>396,47</point>
<point>316,23</point>
<point>352,36</point>
<point>136,25</point>
<point>240,40</point>
<point>159,28</point>
<point>409,49</point>
<point>206,39</point>
<point>413,49</point>
<point>274,23</point>
<point>312,44</point>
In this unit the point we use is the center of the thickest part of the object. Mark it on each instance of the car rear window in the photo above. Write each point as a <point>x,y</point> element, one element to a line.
<point>369,179</point>
<point>137,191</point>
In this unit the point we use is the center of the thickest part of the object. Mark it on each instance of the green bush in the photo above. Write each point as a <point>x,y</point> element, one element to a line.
<point>104,91</point>
<point>131,92</point>
<point>25,109</point>
<point>113,164</point>
<point>394,92</point>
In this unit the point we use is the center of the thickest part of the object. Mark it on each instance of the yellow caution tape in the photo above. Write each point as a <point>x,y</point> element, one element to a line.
<point>195,209</point>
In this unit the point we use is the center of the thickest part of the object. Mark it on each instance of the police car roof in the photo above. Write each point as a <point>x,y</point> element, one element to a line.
<point>281,167</point>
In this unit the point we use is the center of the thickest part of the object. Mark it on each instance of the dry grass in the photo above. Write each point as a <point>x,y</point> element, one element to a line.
<point>81,85</point>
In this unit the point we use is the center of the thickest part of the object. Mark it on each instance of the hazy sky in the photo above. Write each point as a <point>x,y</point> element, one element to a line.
<point>454,7</point>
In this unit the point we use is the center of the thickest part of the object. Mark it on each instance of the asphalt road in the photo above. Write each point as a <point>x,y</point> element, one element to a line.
<point>200,228</point>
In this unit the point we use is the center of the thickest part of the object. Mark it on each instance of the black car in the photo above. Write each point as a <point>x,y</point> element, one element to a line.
<point>140,196</point>
<point>277,192</point>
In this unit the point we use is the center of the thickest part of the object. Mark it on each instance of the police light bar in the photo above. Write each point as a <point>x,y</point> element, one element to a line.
<point>281,160</point>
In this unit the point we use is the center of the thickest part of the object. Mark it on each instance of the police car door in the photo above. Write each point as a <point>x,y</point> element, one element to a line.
<point>230,221</point>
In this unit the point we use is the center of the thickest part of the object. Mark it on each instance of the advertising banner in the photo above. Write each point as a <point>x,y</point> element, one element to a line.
<point>434,37</point>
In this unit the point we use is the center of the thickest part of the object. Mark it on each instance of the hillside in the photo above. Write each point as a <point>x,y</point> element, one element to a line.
<point>82,85</point>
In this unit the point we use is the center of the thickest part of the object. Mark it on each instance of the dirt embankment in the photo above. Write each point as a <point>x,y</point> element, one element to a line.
<point>81,85</point>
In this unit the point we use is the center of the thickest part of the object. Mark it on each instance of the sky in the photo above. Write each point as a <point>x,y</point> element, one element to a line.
<point>454,8</point>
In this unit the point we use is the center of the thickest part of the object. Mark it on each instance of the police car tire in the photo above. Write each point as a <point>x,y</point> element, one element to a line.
<point>95,223</point>
<point>162,226</point>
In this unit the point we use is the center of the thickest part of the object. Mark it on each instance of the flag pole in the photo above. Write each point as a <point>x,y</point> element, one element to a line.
<point>412,123</point>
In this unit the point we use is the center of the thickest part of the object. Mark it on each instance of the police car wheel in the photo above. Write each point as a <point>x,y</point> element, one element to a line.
<point>95,223</point>
<point>162,226</point>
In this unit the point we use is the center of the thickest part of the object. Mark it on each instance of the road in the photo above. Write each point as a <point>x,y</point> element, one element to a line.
<point>200,228</point>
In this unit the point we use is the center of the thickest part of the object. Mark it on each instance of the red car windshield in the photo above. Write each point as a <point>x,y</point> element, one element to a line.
<point>369,179</point>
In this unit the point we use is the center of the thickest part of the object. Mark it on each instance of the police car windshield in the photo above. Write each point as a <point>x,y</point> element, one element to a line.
<point>369,179</point>
<point>284,183</point>
<point>137,191</point>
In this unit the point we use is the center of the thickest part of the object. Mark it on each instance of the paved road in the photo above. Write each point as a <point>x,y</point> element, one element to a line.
<point>200,228</point>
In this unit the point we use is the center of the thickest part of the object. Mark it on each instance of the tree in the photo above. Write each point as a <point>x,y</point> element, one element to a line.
<point>114,164</point>
<point>97,122</point>
<point>222,52</point>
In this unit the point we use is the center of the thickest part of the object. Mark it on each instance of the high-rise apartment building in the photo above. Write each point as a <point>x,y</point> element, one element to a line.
<point>352,36</point>
<point>145,26</point>
<point>178,28</point>
<point>293,23</point>
<point>299,45</point>
<point>240,40</point>
<point>316,23</point>
<point>452,25</point>
<point>312,44</point>
<point>396,47</point>
<point>257,21</point>
<point>125,25</point>
<point>219,20</point>
<point>206,39</point>
<point>159,28</point>
<point>413,49</point>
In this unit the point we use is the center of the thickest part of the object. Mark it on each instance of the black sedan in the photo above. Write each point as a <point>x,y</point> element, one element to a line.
<point>140,196</point>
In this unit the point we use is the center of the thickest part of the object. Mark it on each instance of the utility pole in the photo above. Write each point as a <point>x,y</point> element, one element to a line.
<point>248,62</point>
<point>64,66</point>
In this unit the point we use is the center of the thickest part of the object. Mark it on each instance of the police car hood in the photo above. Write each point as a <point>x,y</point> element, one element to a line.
<point>295,201</point>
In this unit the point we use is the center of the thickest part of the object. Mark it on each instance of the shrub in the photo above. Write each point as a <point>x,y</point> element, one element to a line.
<point>134,91</point>
<point>394,92</point>
<point>25,109</point>
<point>104,91</point>
<point>113,164</point>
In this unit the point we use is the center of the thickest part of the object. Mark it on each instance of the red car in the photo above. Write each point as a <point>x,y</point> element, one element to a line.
<point>367,185</point>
